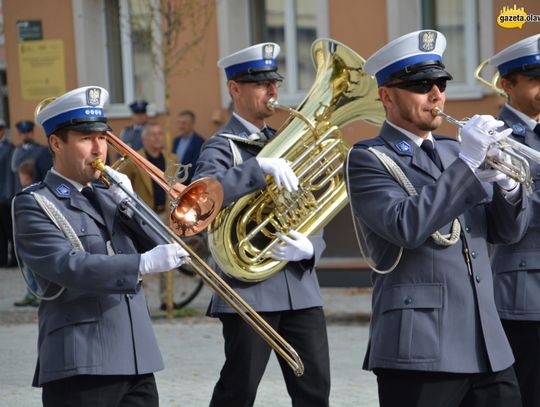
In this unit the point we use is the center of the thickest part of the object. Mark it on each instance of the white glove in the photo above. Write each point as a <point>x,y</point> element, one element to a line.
<point>162,258</point>
<point>295,249</point>
<point>281,171</point>
<point>476,139</point>
<point>118,194</point>
<point>493,175</point>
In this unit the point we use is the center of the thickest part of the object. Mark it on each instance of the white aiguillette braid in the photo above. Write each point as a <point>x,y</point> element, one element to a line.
<point>61,223</point>
<point>394,170</point>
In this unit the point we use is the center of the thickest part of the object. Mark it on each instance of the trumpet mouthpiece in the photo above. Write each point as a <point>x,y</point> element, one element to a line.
<point>436,111</point>
<point>271,104</point>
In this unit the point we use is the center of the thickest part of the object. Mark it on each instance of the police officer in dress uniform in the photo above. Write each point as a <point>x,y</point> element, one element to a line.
<point>7,190</point>
<point>96,345</point>
<point>28,150</point>
<point>131,135</point>
<point>517,266</point>
<point>435,336</point>
<point>290,300</point>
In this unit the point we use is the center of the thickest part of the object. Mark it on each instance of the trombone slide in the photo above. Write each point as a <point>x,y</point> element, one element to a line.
<point>210,277</point>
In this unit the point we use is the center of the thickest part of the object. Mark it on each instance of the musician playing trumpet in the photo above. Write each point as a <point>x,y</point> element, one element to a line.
<point>426,216</point>
<point>96,342</point>
<point>517,266</point>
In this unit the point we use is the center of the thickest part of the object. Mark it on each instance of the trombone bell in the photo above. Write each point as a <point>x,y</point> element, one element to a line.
<point>193,207</point>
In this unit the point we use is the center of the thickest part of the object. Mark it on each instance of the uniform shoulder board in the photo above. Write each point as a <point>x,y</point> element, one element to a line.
<point>99,185</point>
<point>369,143</point>
<point>438,137</point>
<point>31,188</point>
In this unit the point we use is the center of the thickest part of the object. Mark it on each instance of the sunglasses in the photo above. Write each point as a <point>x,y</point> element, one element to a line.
<point>421,87</point>
<point>266,83</point>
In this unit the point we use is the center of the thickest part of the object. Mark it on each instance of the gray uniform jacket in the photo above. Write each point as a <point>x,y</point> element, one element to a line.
<point>429,314</point>
<point>7,176</point>
<point>100,324</point>
<point>517,266</point>
<point>294,287</point>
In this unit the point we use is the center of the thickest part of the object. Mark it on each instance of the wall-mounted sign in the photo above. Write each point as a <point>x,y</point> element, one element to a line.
<point>42,69</point>
<point>29,30</point>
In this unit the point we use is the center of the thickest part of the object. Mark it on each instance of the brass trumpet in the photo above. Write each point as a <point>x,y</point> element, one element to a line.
<point>244,310</point>
<point>519,169</point>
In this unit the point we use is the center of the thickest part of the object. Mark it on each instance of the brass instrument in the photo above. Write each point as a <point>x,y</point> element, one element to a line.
<point>243,233</point>
<point>519,169</point>
<point>193,207</point>
<point>280,346</point>
<point>490,84</point>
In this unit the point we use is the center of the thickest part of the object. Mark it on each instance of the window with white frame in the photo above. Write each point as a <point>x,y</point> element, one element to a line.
<point>115,51</point>
<point>468,34</point>
<point>293,24</point>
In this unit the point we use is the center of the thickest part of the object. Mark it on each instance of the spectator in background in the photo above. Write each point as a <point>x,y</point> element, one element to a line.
<point>131,135</point>
<point>7,190</point>
<point>42,164</point>
<point>26,177</point>
<point>28,150</point>
<point>153,142</point>
<point>187,144</point>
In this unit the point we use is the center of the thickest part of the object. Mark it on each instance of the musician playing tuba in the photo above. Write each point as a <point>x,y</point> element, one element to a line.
<point>96,341</point>
<point>289,300</point>
<point>517,266</point>
<point>425,215</point>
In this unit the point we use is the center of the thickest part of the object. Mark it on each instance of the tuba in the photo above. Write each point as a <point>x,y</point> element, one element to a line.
<point>490,84</point>
<point>242,234</point>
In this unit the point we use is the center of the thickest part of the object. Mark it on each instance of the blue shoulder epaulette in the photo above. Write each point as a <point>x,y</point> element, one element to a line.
<point>439,137</point>
<point>370,143</point>
<point>99,184</point>
<point>31,188</point>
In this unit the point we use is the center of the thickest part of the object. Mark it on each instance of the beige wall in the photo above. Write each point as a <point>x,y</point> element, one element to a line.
<point>198,88</point>
<point>57,23</point>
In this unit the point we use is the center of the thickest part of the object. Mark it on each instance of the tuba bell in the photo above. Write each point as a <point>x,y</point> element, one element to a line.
<point>494,79</point>
<point>242,234</point>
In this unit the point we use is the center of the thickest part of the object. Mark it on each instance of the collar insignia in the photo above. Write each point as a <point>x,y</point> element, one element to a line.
<point>404,147</point>
<point>518,129</point>
<point>63,190</point>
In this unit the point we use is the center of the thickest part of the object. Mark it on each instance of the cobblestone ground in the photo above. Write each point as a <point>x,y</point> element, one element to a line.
<point>192,350</point>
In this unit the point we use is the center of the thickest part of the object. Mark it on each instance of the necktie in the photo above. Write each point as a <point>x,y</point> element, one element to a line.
<point>429,148</point>
<point>537,129</point>
<point>91,196</point>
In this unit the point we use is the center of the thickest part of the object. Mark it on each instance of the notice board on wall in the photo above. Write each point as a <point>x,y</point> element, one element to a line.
<point>42,69</point>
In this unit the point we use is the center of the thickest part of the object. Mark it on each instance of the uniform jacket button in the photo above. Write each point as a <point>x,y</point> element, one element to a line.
<point>473,254</point>
<point>522,263</point>
<point>408,301</point>
<point>478,278</point>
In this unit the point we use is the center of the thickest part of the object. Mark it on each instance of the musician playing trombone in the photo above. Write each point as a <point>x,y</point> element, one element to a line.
<point>96,344</point>
<point>425,216</point>
<point>517,266</point>
<point>290,300</point>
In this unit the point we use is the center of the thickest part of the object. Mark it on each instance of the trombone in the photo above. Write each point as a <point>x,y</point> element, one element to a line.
<point>210,277</point>
<point>519,169</point>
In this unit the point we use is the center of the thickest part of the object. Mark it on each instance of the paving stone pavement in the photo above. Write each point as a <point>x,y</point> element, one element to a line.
<point>192,348</point>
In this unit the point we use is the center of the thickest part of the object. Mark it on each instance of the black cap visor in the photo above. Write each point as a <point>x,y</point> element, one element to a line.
<point>85,126</point>
<point>259,76</point>
<point>422,71</point>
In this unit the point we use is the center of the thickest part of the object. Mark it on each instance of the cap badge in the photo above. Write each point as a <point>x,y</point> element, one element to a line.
<point>93,95</point>
<point>268,51</point>
<point>427,40</point>
<point>62,190</point>
<point>404,147</point>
